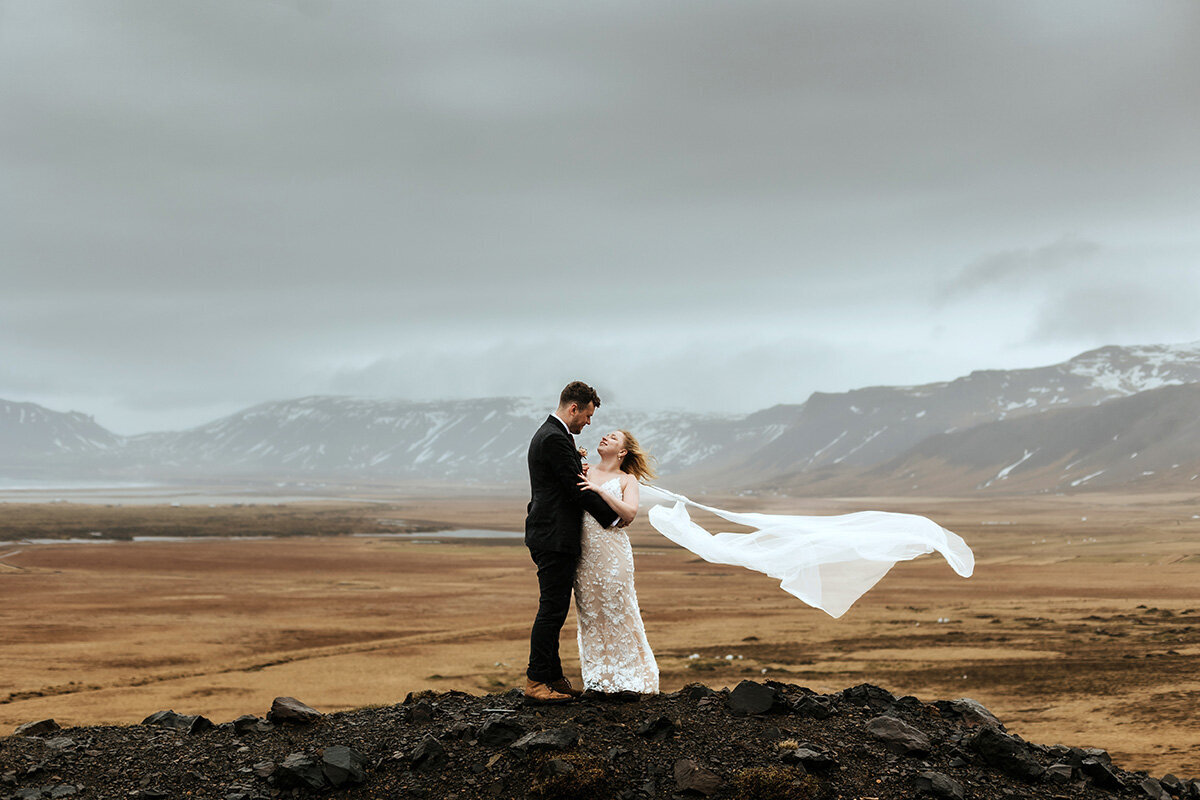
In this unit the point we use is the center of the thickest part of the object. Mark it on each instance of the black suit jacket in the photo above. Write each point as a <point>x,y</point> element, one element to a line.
<point>556,504</point>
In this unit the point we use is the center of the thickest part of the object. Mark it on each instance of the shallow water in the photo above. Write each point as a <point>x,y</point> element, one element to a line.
<point>463,533</point>
<point>166,496</point>
<point>424,538</point>
<point>35,484</point>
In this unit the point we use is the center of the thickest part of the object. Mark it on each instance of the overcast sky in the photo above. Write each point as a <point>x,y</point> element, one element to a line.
<point>714,205</point>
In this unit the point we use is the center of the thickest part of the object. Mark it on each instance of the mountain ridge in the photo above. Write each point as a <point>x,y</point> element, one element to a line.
<point>859,440</point>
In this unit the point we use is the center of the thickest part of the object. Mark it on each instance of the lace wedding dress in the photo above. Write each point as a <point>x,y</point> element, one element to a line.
<point>613,651</point>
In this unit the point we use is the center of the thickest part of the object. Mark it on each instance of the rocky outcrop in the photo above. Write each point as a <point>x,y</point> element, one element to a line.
<point>290,710</point>
<point>759,740</point>
<point>188,723</point>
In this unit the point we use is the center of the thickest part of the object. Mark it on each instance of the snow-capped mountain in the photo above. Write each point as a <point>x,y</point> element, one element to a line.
<point>31,433</point>
<point>871,426</point>
<point>982,425</point>
<point>482,439</point>
<point>345,435</point>
<point>1149,439</point>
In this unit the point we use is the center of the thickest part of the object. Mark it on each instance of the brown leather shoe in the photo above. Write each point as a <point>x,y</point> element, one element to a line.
<point>538,692</point>
<point>563,686</point>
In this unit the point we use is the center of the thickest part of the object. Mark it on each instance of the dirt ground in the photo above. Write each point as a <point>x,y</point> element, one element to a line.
<point>1081,624</point>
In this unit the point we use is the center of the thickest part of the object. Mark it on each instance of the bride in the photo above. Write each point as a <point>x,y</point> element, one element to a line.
<point>826,561</point>
<point>614,654</point>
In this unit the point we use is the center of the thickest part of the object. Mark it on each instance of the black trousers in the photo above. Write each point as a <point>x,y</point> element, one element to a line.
<point>556,578</point>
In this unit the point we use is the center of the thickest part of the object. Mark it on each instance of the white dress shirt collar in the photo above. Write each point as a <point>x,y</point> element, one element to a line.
<point>562,422</point>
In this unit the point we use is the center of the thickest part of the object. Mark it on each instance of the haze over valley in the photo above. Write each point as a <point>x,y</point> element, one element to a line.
<point>1112,417</point>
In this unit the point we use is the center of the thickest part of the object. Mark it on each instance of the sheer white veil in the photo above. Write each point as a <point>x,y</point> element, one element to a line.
<point>826,561</point>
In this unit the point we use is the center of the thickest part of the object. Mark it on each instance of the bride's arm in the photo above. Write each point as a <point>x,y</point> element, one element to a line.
<point>627,508</point>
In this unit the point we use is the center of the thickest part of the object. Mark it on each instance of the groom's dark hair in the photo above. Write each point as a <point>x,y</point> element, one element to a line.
<point>579,393</point>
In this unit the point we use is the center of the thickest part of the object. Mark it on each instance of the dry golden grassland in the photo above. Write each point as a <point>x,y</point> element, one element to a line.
<point>1073,630</point>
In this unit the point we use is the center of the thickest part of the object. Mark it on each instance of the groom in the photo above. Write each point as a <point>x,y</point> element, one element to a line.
<point>552,530</point>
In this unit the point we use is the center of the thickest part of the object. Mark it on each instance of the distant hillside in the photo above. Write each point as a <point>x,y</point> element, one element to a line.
<point>473,440</point>
<point>35,437</point>
<point>872,426</point>
<point>1149,440</point>
<point>997,430</point>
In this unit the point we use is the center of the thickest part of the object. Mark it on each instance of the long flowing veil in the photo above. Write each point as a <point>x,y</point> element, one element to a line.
<point>826,561</point>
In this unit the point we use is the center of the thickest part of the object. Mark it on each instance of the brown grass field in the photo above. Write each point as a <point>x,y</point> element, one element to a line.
<point>1073,630</point>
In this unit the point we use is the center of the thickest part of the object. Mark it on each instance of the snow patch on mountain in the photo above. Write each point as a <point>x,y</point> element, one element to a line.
<point>485,439</point>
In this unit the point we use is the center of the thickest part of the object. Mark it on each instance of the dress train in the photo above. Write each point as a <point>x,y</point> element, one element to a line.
<point>826,561</point>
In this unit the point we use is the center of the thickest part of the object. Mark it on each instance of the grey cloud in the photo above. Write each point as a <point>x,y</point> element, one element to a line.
<point>237,134</point>
<point>268,196</point>
<point>1019,265</point>
<point>1120,311</point>
<point>728,374</point>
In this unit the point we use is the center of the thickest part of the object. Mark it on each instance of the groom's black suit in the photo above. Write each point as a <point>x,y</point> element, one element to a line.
<point>552,531</point>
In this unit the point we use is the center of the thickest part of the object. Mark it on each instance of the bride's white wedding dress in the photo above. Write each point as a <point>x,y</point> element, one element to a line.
<point>614,653</point>
<point>827,561</point>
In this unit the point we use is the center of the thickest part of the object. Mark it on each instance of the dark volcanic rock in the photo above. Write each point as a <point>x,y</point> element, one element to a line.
<point>298,771</point>
<point>908,703</point>
<point>867,695</point>
<point>1060,773</point>
<point>1153,789</point>
<point>969,712</point>
<point>754,698</point>
<point>554,739</point>
<point>499,732</point>
<point>181,722</point>
<point>428,754</point>
<point>420,712</point>
<point>810,757</point>
<point>1102,773</point>
<point>36,728</point>
<point>1007,753</point>
<point>168,719</point>
<point>460,730</point>
<point>343,765</point>
<point>691,778</point>
<point>200,725</point>
<point>62,743</point>
<point>44,792</point>
<point>247,723</point>
<point>291,710</point>
<point>381,752</point>
<point>898,736</point>
<point>938,785</point>
<point>816,706</point>
<point>1092,752</point>
<point>657,728</point>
